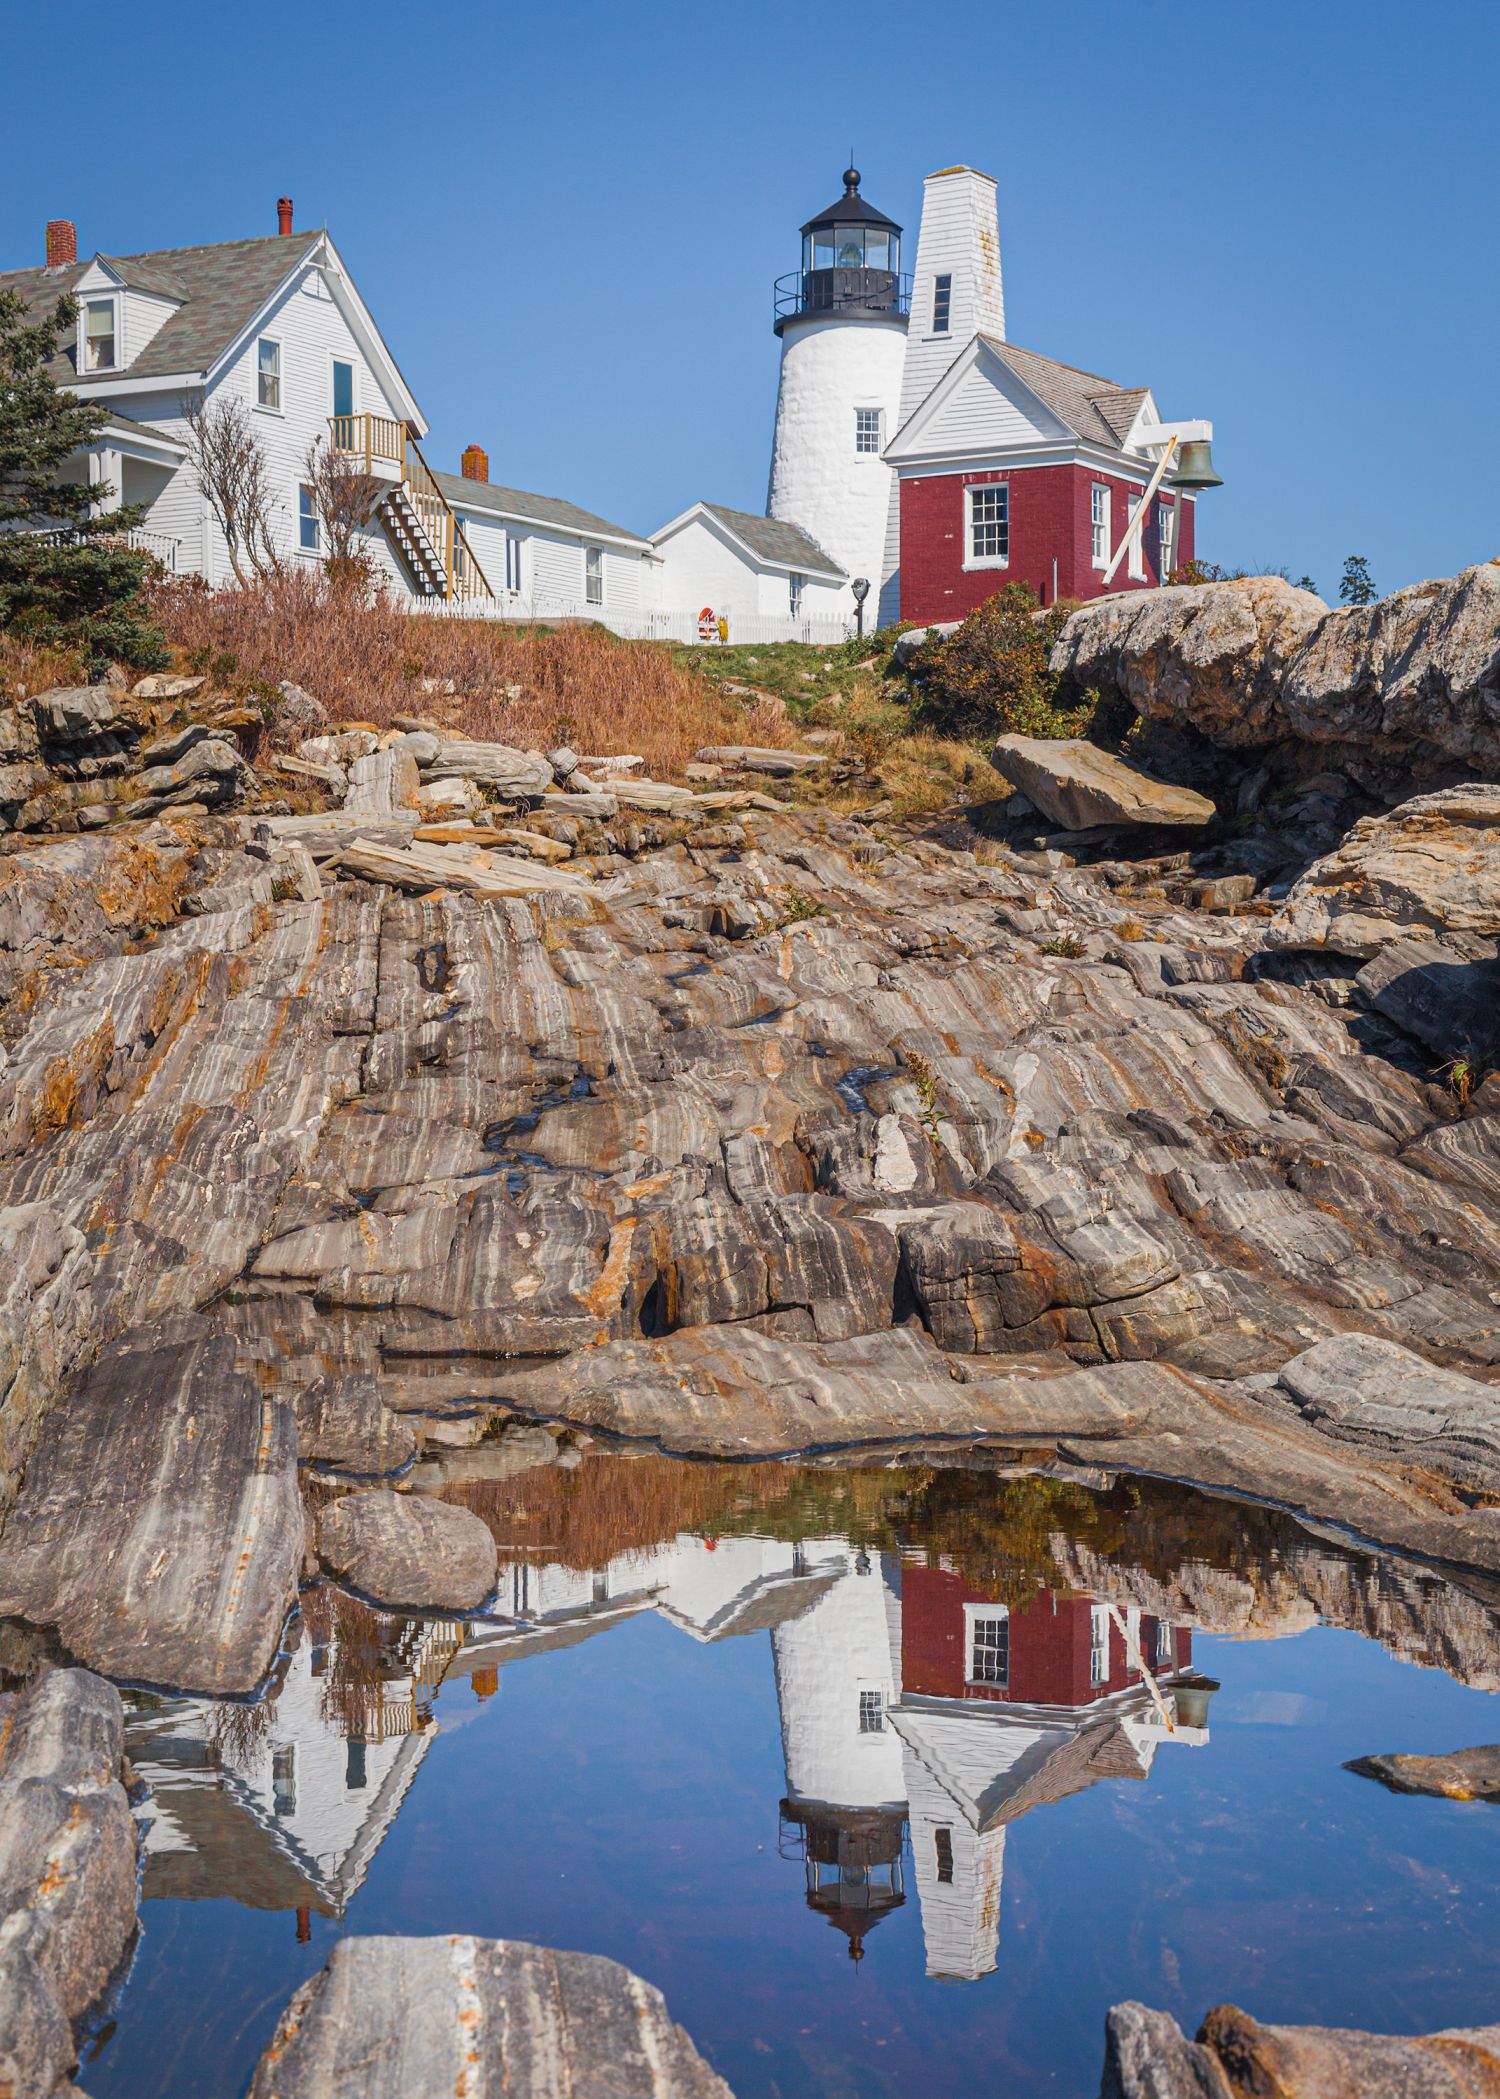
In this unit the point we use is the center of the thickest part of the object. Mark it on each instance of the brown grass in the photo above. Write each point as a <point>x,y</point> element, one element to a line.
<point>366,660</point>
<point>26,668</point>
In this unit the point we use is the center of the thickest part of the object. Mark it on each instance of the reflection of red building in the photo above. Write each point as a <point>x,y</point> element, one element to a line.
<point>959,1641</point>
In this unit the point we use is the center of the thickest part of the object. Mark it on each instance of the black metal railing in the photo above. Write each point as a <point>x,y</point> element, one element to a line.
<point>840,291</point>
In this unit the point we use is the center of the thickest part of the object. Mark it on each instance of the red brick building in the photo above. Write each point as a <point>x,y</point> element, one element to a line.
<point>1018,469</point>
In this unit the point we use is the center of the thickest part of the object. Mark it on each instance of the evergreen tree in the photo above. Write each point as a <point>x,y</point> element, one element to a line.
<point>64,578</point>
<point>1355,585</point>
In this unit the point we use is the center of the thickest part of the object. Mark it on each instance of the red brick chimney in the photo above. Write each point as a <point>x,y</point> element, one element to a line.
<point>475,464</point>
<point>62,243</point>
<point>283,214</point>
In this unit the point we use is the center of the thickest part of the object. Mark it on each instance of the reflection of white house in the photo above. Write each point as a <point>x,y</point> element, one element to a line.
<point>288,1814</point>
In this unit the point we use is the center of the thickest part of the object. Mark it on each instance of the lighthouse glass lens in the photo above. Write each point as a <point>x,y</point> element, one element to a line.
<point>851,255</point>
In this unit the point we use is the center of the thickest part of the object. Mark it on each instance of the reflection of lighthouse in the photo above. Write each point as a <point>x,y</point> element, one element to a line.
<point>837,1680</point>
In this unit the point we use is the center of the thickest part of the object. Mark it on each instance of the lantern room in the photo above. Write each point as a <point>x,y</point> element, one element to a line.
<point>851,262</point>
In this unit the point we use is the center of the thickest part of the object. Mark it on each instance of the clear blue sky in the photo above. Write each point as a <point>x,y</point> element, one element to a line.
<point>566,220</point>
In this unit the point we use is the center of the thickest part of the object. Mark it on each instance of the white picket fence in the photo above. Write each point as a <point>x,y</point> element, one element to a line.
<point>745,628</point>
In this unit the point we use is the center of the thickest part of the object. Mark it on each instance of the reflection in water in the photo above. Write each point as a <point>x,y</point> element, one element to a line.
<point>964,1649</point>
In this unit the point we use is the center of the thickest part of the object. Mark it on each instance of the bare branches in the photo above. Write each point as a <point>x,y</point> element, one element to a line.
<point>344,497</point>
<point>232,472</point>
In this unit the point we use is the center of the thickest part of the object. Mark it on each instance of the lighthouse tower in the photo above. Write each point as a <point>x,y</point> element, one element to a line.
<point>842,323</point>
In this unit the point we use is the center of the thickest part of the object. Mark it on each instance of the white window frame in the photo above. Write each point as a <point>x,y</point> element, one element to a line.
<point>795,586</point>
<point>1099,525</point>
<point>1098,1645</point>
<point>1166,1644</point>
<point>972,557</point>
<point>874,1709</point>
<point>278,406</point>
<point>306,517</point>
<point>593,574</point>
<point>863,449</point>
<point>1135,559</point>
<point>86,307</point>
<point>514,544</point>
<point>976,1614</point>
<point>944,278</point>
<point>1166,538</point>
<point>334,358</point>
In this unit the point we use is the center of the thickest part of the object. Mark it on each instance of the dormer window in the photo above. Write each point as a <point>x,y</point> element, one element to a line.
<point>268,374</point>
<point>100,339</point>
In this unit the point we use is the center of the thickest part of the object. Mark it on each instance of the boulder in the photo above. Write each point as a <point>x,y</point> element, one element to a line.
<point>167,685</point>
<point>1445,994</point>
<point>1207,657</point>
<point>298,709</point>
<point>1464,1774</point>
<point>1147,2056</point>
<point>1431,865</point>
<point>67,1870</point>
<point>343,1426</point>
<point>159,1530</point>
<point>76,713</point>
<point>409,1551</point>
<point>1079,786</point>
<point>210,770</point>
<point>522,774</point>
<point>382,782</point>
<point>409,2018</point>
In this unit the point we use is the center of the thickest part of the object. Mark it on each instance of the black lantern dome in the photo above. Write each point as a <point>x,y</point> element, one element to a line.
<point>851,264</point>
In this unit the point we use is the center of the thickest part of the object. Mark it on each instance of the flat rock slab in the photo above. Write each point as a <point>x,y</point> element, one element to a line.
<point>1080,786</point>
<point>67,1869</point>
<point>409,1551</point>
<point>462,2018</point>
<point>1466,1774</point>
<point>1364,1389</point>
<point>1431,865</point>
<point>159,1530</point>
<point>1147,2056</point>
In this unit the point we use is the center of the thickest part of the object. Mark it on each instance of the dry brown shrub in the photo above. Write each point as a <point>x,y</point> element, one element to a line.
<point>28,667</point>
<point>366,660</point>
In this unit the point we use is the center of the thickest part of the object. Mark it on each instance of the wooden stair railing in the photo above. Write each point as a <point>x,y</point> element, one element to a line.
<point>380,440</point>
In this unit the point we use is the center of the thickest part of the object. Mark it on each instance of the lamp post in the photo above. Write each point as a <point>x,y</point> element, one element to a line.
<point>861,589</point>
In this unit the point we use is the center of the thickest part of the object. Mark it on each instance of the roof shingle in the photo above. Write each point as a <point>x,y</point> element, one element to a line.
<point>465,494</point>
<point>776,540</point>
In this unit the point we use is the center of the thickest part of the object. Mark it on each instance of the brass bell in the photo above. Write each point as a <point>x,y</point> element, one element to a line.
<point>1194,468</point>
<point>1191,1700</point>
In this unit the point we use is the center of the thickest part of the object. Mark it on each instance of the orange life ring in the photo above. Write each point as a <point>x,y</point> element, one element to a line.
<point>708,625</point>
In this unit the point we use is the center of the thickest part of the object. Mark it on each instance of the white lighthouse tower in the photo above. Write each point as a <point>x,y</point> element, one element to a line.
<point>842,323</point>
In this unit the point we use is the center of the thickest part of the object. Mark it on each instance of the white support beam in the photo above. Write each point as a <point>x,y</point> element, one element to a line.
<point>1139,512</point>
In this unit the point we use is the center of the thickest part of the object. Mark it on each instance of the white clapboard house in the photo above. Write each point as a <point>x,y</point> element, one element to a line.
<point>278,324</point>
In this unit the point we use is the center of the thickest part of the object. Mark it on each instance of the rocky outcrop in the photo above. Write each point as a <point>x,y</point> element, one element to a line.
<point>1080,786</point>
<point>1147,2056</point>
<point>1366,1390</point>
<point>67,1871</point>
<point>1410,684</point>
<point>159,1531</point>
<point>407,1549</point>
<point>44,1333</point>
<point>78,757</point>
<point>776,1141</point>
<point>1432,866</point>
<point>480,2018</point>
<point>1465,1774</point>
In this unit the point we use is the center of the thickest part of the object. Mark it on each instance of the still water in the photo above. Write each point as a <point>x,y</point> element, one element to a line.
<point>892,1780</point>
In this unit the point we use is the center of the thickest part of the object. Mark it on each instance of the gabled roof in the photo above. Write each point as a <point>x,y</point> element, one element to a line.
<point>219,290</point>
<point>1094,409</point>
<point>465,494</point>
<point>768,539</point>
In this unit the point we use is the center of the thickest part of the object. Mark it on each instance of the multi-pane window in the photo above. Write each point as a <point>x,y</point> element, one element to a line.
<point>593,575</point>
<point>867,430</point>
<point>99,347</point>
<point>1099,1645</point>
<point>1135,560</point>
<point>1100,521</point>
<point>1165,520</point>
<point>1166,1645</point>
<point>795,585</point>
<point>989,1647</point>
<point>942,1840</point>
<point>872,1712</point>
<point>268,373</point>
<point>512,562</point>
<point>989,523</point>
<point>942,302</point>
<point>309,527</point>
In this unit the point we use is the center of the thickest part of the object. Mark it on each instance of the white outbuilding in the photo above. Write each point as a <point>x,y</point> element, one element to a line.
<point>766,577</point>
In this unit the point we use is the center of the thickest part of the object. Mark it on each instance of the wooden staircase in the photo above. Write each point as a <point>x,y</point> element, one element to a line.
<point>423,528</point>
